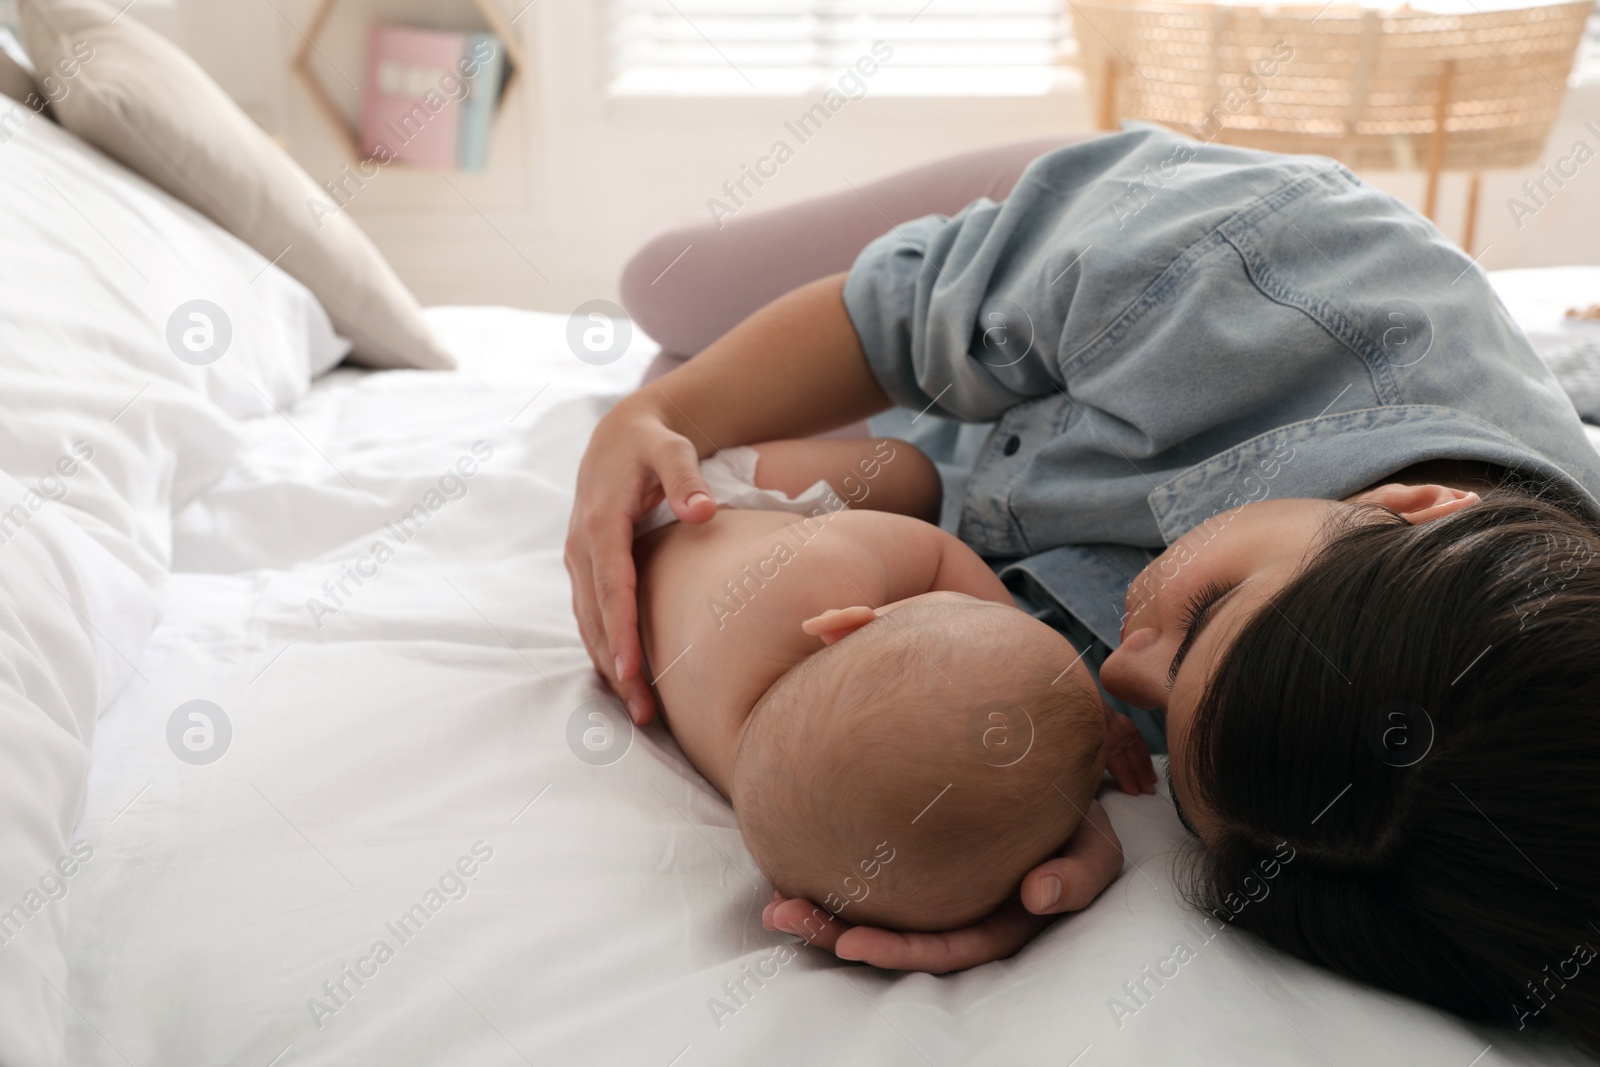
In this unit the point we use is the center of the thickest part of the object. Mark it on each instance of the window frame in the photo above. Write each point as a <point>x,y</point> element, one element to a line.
<point>1062,78</point>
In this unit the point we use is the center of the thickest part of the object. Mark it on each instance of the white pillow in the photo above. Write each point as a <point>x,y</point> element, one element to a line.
<point>140,99</point>
<point>110,420</point>
<point>72,622</point>
<point>103,358</point>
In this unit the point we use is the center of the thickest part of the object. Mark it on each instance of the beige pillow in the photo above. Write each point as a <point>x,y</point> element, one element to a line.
<point>14,81</point>
<point>141,100</point>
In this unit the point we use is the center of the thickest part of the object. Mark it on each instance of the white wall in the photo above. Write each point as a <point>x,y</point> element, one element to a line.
<point>578,178</point>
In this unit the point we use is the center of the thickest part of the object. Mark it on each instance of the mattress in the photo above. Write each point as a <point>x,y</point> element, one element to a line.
<point>346,814</point>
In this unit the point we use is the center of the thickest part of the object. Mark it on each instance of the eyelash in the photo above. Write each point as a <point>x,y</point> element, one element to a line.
<point>1198,605</point>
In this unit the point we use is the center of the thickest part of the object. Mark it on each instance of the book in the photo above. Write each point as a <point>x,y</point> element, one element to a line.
<point>486,70</point>
<point>430,96</point>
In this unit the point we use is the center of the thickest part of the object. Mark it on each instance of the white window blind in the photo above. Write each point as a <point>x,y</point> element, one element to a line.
<point>789,47</point>
<point>1589,52</point>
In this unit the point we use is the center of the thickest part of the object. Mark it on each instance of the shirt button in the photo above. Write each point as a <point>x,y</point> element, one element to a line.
<point>1012,444</point>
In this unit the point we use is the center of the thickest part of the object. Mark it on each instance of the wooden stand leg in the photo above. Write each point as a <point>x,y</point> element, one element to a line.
<point>1106,113</point>
<point>1441,110</point>
<point>1474,187</point>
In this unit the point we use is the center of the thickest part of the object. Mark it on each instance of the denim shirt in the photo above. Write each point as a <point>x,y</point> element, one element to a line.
<point>1162,329</point>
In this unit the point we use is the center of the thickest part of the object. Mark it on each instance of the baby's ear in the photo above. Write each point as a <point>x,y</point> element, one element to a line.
<point>839,623</point>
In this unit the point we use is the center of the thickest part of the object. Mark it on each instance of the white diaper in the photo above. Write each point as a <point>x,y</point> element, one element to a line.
<point>730,476</point>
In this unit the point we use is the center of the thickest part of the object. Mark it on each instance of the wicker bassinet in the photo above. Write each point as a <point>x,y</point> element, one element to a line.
<point>1381,90</point>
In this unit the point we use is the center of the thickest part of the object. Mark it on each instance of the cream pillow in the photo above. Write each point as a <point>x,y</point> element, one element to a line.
<point>140,99</point>
<point>14,81</point>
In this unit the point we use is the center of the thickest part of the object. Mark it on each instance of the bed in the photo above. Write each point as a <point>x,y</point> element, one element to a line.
<point>613,914</point>
<point>308,764</point>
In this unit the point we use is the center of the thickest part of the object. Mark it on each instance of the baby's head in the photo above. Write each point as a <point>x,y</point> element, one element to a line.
<point>909,774</point>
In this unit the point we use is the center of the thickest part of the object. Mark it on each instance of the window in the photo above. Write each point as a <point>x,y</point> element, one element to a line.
<point>1588,61</point>
<point>793,47</point>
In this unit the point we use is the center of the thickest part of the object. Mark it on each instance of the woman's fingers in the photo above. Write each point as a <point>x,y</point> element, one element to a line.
<point>677,469</point>
<point>616,596</point>
<point>1091,860</point>
<point>1127,755</point>
<point>591,627</point>
<point>992,938</point>
<point>805,920</point>
<point>633,460</point>
<point>1134,775</point>
<point>1122,772</point>
<point>1058,886</point>
<point>995,937</point>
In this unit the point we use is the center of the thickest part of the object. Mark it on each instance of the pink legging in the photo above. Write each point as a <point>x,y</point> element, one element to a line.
<point>692,282</point>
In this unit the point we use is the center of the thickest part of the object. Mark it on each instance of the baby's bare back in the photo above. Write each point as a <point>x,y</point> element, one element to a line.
<point>721,605</point>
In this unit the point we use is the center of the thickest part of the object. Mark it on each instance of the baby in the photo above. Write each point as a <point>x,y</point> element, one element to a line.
<point>901,744</point>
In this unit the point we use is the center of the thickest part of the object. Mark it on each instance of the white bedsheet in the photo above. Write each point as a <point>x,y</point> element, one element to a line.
<point>421,730</point>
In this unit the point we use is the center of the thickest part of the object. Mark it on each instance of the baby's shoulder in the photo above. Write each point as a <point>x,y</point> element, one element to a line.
<point>837,545</point>
<point>877,534</point>
<point>897,551</point>
<point>906,526</point>
<point>830,558</point>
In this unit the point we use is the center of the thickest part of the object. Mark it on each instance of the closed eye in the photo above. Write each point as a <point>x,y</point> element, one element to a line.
<point>1199,611</point>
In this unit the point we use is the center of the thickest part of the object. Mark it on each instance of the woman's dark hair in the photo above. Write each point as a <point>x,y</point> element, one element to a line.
<point>1408,740</point>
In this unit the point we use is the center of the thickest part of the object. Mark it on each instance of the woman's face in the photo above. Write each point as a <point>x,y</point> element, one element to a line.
<point>1184,610</point>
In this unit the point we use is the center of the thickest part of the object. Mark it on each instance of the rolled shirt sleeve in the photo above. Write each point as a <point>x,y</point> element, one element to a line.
<point>918,295</point>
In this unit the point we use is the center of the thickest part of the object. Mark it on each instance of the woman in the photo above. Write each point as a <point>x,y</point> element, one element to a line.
<point>1372,628</point>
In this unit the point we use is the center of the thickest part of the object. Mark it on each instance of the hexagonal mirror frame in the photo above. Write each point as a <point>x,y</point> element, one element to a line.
<point>301,65</point>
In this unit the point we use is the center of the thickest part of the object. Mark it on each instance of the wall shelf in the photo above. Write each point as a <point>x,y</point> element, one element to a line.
<point>348,138</point>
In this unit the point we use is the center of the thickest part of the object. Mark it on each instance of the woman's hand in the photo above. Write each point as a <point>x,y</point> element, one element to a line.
<point>1091,860</point>
<point>632,462</point>
<point>1127,756</point>
<point>793,369</point>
